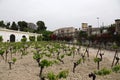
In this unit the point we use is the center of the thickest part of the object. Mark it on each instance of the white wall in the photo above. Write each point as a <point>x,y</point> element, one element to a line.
<point>4,35</point>
<point>18,35</point>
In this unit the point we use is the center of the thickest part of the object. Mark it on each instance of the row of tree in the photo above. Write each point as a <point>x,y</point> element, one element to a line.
<point>23,26</point>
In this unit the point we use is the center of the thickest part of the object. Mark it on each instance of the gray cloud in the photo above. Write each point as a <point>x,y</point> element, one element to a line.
<point>60,13</point>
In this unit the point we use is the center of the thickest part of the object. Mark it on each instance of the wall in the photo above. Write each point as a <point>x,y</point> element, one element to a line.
<point>5,33</point>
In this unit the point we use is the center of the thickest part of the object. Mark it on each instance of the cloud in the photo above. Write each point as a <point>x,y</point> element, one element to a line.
<point>60,13</point>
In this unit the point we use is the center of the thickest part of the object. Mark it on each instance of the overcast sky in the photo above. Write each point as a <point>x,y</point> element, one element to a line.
<point>61,13</point>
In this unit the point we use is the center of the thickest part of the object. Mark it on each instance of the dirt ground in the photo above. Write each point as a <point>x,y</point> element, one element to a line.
<point>27,68</point>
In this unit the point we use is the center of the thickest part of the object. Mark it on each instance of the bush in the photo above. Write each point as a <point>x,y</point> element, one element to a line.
<point>48,55</point>
<point>63,74</point>
<point>1,52</point>
<point>62,56</point>
<point>79,61</point>
<point>1,39</point>
<point>39,38</point>
<point>24,39</point>
<point>116,68</point>
<point>115,46</point>
<point>32,38</point>
<point>55,62</point>
<point>37,56</point>
<point>97,60</point>
<point>14,60</point>
<point>103,72</point>
<point>69,54</point>
<point>45,63</point>
<point>51,76</point>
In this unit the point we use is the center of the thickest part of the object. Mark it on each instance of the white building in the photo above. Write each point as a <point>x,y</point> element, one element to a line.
<point>66,31</point>
<point>15,36</point>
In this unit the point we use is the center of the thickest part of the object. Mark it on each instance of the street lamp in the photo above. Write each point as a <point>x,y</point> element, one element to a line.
<point>99,28</point>
<point>98,21</point>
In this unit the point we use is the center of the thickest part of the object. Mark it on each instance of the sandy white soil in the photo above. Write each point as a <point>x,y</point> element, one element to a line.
<point>27,68</point>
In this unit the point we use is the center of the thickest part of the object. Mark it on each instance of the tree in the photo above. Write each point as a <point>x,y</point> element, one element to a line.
<point>44,63</point>
<point>111,29</point>
<point>8,25</point>
<point>59,58</point>
<point>53,36</point>
<point>2,24</point>
<point>37,57</point>
<point>41,26</point>
<point>31,27</point>
<point>92,38</point>
<point>97,60</point>
<point>82,35</point>
<point>39,38</point>
<point>1,39</point>
<point>23,26</point>
<point>14,26</point>
<point>92,75</point>
<point>46,35</point>
<point>76,64</point>
<point>114,35</point>
<point>1,53</point>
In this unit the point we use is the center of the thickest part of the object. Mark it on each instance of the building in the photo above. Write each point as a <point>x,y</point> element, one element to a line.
<point>66,31</point>
<point>15,36</point>
<point>32,26</point>
<point>89,30</point>
<point>70,32</point>
<point>95,31</point>
<point>84,26</point>
<point>117,23</point>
